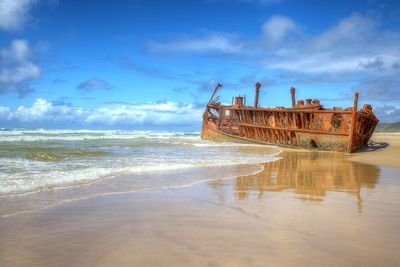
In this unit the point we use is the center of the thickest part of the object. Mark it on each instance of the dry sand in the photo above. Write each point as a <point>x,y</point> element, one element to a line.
<point>387,150</point>
<point>307,209</point>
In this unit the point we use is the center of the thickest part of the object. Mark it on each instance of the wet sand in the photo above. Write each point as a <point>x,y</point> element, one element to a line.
<point>307,209</point>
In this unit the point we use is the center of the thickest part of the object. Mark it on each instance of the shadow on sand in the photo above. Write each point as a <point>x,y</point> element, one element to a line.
<point>373,146</point>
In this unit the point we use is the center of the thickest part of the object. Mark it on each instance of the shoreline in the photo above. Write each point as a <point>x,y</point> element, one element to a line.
<point>107,187</point>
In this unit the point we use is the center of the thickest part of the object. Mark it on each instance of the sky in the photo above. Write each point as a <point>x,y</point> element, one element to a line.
<point>143,65</point>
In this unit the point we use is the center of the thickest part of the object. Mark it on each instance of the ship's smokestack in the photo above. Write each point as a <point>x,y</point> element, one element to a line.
<point>293,93</point>
<point>258,85</point>
<point>239,101</point>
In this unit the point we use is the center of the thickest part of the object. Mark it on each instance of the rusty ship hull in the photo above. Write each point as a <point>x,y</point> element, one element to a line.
<point>304,125</point>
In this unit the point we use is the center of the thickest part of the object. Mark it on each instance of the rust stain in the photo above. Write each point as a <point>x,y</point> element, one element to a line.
<point>307,124</point>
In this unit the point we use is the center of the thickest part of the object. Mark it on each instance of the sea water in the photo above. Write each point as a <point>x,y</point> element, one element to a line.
<point>41,160</point>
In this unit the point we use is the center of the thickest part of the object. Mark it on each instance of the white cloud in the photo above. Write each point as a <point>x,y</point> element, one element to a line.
<point>332,62</point>
<point>351,31</point>
<point>277,28</point>
<point>14,14</point>
<point>388,113</point>
<point>354,45</point>
<point>43,113</point>
<point>210,43</point>
<point>156,114</point>
<point>16,67</point>
<point>356,51</point>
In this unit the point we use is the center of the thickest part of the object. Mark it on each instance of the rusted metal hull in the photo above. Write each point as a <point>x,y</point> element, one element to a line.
<point>329,143</point>
<point>309,127</point>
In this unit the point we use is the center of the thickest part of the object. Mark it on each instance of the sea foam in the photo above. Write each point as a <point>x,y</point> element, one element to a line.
<point>37,160</point>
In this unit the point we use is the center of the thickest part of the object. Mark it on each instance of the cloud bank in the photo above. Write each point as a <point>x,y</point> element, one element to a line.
<point>46,114</point>
<point>136,116</point>
<point>356,51</point>
<point>355,44</point>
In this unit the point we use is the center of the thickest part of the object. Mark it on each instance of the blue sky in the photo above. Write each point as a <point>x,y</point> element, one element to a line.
<point>153,64</point>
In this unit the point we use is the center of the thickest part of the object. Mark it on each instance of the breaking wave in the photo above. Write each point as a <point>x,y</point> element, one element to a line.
<point>37,160</point>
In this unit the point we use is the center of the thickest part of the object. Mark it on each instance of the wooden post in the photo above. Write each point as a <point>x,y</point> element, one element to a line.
<point>353,123</point>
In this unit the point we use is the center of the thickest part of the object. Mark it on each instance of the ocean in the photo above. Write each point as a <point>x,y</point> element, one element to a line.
<point>41,160</point>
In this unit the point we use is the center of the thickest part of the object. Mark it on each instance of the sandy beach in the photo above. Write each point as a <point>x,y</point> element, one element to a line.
<point>387,154</point>
<point>218,133</point>
<point>306,209</point>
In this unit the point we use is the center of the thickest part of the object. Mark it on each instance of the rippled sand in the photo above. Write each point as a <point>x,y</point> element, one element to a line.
<point>307,209</point>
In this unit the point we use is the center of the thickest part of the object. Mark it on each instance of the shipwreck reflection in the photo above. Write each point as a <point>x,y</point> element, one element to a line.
<point>310,175</point>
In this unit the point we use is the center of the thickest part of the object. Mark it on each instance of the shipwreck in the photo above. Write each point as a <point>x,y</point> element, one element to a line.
<point>307,124</point>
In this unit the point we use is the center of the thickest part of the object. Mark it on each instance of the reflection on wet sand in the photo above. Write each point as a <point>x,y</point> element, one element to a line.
<point>252,220</point>
<point>310,176</point>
